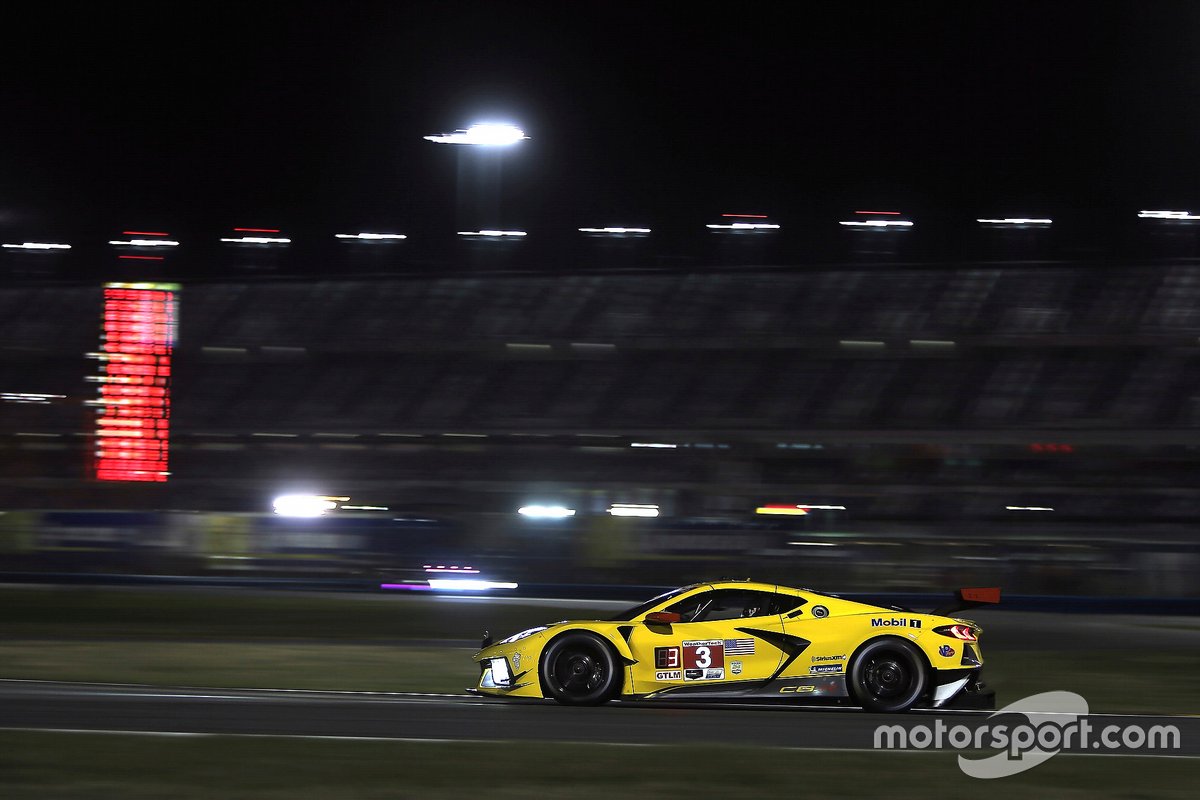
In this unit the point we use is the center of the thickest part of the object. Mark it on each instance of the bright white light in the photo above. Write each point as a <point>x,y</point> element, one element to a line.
<point>633,510</point>
<point>492,233</point>
<point>1167,215</point>
<point>373,237</point>
<point>29,397</point>
<point>877,223</point>
<point>39,246</point>
<point>614,230</point>
<point>145,243</point>
<point>365,508</point>
<point>813,544</point>
<point>1015,221</point>
<point>1027,508</point>
<point>486,134</point>
<point>658,445</point>
<point>546,512</point>
<point>302,505</point>
<point>824,508</point>
<point>744,226</point>
<point>468,585</point>
<point>258,240</point>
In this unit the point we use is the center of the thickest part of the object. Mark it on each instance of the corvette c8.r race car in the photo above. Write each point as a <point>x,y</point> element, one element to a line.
<point>734,640</point>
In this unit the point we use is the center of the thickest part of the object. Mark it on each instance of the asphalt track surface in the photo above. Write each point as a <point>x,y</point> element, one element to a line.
<point>35,705</point>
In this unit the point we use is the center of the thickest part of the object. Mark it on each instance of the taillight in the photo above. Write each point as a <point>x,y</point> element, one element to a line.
<point>963,633</point>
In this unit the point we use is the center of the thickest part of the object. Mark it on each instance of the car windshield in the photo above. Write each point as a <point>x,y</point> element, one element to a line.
<point>642,608</point>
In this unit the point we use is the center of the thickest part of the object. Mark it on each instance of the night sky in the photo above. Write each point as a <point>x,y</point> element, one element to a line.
<point>234,114</point>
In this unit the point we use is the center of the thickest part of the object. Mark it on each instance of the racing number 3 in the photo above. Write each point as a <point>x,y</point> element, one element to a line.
<point>702,655</point>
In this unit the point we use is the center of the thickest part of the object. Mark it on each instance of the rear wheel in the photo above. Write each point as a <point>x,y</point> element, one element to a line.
<point>580,669</point>
<point>888,675</point>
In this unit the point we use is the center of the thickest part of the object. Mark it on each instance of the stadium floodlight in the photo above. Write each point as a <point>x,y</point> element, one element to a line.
<point>484,134</point>
<point>371,237</point>
<point>633,510</point>
<point>1170,215</point>
<point>546,512</point>
<point>304,505</point>
<point>38,246</point>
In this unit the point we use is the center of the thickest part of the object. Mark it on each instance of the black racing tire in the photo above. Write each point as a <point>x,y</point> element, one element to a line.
<point>888,675</point>
<point>580,669</point>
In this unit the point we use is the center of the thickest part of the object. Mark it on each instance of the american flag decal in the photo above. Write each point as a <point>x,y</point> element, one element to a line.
<point>739,647</point>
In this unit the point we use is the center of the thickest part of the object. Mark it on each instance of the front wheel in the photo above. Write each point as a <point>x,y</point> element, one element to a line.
<point>888,675</point>
<point>580,669</point>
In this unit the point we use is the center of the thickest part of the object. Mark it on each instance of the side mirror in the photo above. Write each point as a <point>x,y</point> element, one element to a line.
<point>662,618</point>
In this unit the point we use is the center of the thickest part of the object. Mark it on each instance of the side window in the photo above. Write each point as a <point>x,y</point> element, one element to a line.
<point>787,603</point>
<point>690,608</point>
<point>722,604</point>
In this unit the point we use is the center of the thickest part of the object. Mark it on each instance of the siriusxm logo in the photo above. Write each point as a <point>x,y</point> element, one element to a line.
<point>895,622</point>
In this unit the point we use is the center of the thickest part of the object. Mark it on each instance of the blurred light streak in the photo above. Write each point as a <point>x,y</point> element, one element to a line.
<point>633,510</point>
<point>813,544</point>
<point>861,343</point>
<point>487,134</point>
<point>932,343</point>
<point>144,243</point>
<point>373,237</point>
<point>415,587</point>
<point>615,230</point>
<point>304,505</point>
<point>452,568</point>
<point>38,246</point>
<point>469,585</point>
<point>877,223</point>
<point>781,510</point>
<point>546,512</point>
<point>258,240</point>
<point>744,226</point>
<point>493,234</point>
<point>1179,215</point>
<point>1027,508</point>
<point>657,445</point>
<point>30,397</point>
<point>822,508</point>
<point>1016,221</point>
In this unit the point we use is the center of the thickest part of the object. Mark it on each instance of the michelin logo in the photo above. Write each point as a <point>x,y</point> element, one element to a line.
<point>895,622</point>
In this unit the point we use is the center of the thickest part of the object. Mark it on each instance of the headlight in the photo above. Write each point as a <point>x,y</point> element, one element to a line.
<point>516,637</point>
<point>500,673</point>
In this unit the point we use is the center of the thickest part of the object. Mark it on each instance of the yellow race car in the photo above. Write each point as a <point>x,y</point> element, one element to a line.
<point>740,640</point>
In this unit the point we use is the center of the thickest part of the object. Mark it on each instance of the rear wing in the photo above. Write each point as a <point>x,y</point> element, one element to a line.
<point>970,598</point>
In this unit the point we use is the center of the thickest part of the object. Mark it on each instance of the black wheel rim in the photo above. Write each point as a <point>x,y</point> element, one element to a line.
<point>579,671</point>
<point>888,676</point>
